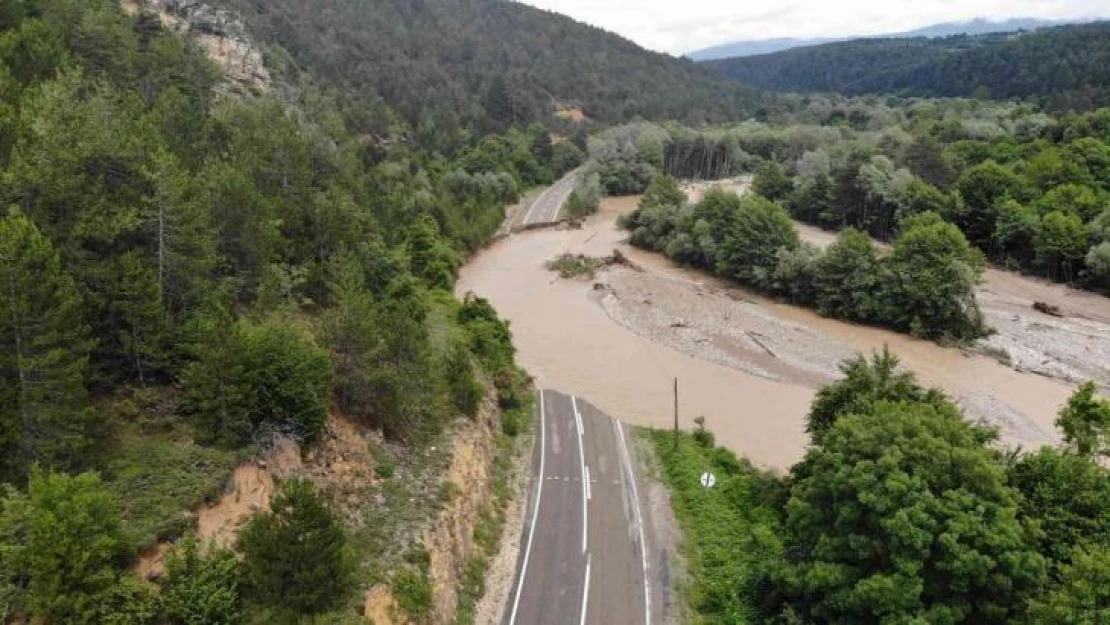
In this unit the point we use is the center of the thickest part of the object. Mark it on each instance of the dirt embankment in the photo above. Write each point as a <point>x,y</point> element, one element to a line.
<point>341,464</point>
<point>450,539</point>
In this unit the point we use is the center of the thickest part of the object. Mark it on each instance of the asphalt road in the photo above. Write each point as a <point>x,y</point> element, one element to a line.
<point>583,558</point>
<point>547,206</point>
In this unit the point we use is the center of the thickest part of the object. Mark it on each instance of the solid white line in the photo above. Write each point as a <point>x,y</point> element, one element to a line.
<point>639,526</point>
<point>586,592</point>
<point>535,515</point>
<point>582,470</point>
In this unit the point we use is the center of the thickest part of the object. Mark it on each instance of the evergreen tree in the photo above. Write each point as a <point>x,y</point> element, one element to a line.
<point>294,556</point>
<point>14,517</point>
<point>43,412</point>
<point>75,546</point>
<point>202,586</point>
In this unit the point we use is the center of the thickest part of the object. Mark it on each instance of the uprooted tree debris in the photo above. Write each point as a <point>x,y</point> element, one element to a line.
<point>580,265</point>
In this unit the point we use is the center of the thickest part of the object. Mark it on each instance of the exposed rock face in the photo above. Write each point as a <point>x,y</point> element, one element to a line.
<point>221,34</point>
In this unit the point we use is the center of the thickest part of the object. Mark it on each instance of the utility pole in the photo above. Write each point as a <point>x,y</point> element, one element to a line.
<point>676,413</point>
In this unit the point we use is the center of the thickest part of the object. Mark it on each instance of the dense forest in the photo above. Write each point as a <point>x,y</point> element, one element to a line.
<point>1062,68</point>
<point>451,66</point>
<point>901,511</point>
<point>188,278</point>
<point>1029,190</point>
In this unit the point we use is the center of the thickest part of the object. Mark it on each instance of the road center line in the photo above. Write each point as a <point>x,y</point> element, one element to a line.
<point>582,472</point>
<point>535,515</point>
<point>639,524</point>
<point>586,592</point>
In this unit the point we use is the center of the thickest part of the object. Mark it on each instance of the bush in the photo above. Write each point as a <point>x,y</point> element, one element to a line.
<point>201,588</point>
<point>413,591</point>
<point>465,392</point>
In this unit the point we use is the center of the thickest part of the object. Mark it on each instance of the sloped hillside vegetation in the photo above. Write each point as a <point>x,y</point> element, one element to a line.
<point>1065,68</point>
<point>446,65</point>
<point>189,277</point>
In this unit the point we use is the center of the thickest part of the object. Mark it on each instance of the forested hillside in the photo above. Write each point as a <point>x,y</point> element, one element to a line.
<point>189,278</point>
<point>484,64</point>
<point>1066,67</point>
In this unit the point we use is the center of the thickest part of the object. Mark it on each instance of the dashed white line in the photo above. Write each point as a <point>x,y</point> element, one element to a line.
<point>589,494</point>
<point>535,515</point>
<point>586,592</point>
<point>639,525</point>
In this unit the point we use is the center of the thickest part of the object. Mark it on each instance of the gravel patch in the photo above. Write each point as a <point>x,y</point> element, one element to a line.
<point>719,325</point>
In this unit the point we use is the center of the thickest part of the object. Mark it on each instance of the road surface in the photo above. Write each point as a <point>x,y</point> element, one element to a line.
<point>547,206</point>
<point>583,558</point>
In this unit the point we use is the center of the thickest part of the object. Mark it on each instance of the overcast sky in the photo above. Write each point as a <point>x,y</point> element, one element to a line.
<point>680,26</point>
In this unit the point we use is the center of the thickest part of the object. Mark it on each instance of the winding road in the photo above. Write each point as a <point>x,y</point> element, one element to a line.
<point>547,206</point>
<point>584,557</point>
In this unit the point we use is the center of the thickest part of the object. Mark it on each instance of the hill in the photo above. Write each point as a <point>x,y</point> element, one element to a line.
<point>1066,67</point>
<point>978,26</point>
<point>487,63</point>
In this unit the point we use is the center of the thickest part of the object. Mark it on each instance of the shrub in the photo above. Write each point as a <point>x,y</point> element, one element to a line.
<point>201,588</point>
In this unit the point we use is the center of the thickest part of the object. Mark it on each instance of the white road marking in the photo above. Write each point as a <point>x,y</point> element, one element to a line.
<point>543,195</point>
<point>535,515</point>
<point>639,525</point>
<point>582,470</point>
<point>586,592</point>
<point>589,494</point>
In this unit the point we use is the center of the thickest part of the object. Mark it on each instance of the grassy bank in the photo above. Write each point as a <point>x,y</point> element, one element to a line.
<point>729,530</point>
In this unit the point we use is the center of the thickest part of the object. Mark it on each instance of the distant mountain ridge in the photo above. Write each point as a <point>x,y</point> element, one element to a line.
<point>977,26</point>
<point>1063,67</point>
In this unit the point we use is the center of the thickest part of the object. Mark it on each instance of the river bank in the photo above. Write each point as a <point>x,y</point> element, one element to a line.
<point>748,364</point>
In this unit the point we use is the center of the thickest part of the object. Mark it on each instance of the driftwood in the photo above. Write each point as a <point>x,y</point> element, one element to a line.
<point>1048,309</point>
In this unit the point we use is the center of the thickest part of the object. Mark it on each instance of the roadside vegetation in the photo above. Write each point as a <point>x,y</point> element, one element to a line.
<point>901,511</point>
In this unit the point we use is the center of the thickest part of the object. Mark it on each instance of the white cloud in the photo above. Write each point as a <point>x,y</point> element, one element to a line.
<point>682,26</point>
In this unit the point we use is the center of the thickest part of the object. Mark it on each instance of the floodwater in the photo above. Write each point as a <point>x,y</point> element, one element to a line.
<point>566,339</point>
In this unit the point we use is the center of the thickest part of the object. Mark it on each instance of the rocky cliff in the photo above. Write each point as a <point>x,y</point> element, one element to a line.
<point>221,34</point>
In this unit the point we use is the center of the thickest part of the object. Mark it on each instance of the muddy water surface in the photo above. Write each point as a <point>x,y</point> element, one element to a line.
<point>568,341</point>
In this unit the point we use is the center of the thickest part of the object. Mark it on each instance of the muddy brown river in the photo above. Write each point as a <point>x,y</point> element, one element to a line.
<point>749,365</point>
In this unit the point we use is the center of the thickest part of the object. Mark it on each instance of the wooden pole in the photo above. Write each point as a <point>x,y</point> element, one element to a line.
<point>676,413</point>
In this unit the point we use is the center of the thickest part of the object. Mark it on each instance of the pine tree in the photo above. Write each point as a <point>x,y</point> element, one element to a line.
<point>43,417</point>
<point>75,542</point>
<point>295,555</point>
